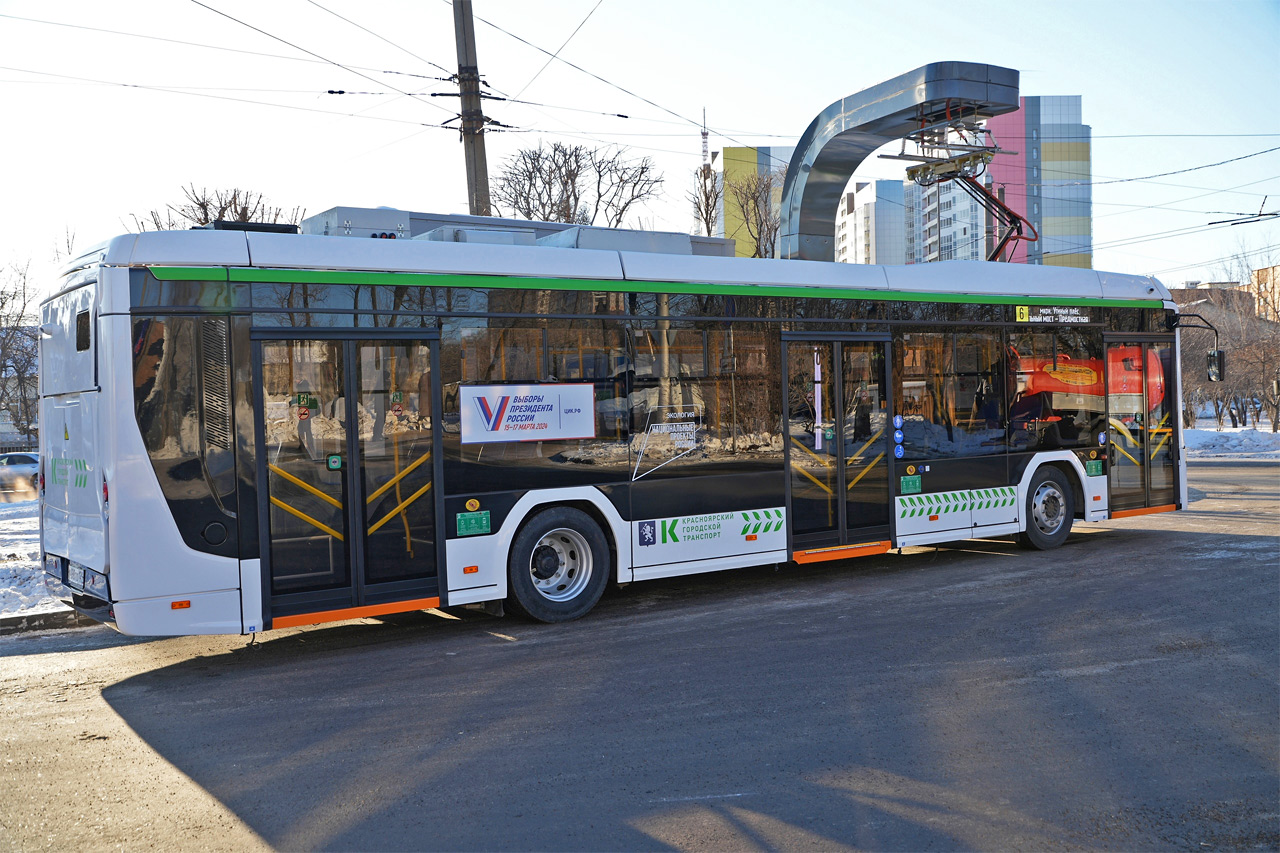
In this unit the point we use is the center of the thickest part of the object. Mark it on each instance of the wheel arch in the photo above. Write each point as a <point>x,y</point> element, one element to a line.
<point>1069,465</point>
<point>588,499</point>
<point>592,510</point>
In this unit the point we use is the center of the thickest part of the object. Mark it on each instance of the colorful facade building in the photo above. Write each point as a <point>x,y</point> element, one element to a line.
<point>1048,180</point>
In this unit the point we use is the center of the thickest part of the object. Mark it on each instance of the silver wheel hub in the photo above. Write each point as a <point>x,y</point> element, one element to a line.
<point>1048,508</point>
<point>560,566</point>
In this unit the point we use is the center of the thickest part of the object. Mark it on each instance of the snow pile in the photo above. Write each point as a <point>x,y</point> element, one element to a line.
<point>1238,443</point>
<point>21,575</point>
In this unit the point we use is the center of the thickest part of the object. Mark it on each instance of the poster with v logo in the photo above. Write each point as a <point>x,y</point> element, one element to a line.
<point>497,413</point>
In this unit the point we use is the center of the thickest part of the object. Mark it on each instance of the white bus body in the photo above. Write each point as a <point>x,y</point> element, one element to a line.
<point>245,430</point>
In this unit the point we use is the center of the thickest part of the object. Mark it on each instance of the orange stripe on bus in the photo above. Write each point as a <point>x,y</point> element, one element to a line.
<point>354,613</point>
<point>841,552</point>
<point>1143,510</point>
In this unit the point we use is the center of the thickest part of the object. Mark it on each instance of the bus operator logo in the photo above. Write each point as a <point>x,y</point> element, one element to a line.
<point>492,414</point>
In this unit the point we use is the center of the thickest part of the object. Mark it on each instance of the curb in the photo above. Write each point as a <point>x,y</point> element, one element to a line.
<point>46,621</point>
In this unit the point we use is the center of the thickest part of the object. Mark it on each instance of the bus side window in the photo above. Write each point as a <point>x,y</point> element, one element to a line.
<point>82,331</point>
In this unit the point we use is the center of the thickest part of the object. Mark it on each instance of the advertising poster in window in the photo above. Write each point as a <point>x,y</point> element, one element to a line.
<point>500,413</point>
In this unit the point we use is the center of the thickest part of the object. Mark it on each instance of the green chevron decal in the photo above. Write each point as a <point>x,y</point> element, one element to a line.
<point>946,503</point>
<point>762,521</point>
<point>73,472</point>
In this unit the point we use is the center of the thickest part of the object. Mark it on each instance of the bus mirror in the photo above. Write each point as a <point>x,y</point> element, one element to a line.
<point>1217,365</point>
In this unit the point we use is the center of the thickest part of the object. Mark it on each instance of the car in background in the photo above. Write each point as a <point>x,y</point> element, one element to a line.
<point>19,471</point>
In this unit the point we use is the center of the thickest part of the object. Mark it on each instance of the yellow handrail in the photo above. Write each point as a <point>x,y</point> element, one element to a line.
<point>1127,456</point>
<point>395,511</point>
<point>858,452</point>
<point>816,481</point>
<point>1123,430</point>
<point>797,443</point>
<point>864,471</point>
<point>387,485</point>
<point>304,485</point>
<point>308,519</point>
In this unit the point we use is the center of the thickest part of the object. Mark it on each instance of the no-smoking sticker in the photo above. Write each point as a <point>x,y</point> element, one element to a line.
<point>303,413</point>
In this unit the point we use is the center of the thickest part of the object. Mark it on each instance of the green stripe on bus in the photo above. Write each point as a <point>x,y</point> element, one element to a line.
<point>278,276</point>
<point>189,273</point>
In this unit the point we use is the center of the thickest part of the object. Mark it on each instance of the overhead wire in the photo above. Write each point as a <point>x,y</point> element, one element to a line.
<point>380,37</point>
<point>560,48</point>
<point>184,43</point>
<point>1176,172</point>
<point>609,83</point>
<point>313,53</point>
<point>222,97</point>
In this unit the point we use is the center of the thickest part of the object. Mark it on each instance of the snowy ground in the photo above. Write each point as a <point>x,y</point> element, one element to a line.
<point>22,577</point>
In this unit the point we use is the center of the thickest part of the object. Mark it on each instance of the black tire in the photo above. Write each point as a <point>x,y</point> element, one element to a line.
<point>1049,511</point>
<point>558,567</point>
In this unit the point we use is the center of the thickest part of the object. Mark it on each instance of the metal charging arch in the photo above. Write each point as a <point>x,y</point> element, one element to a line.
<point>848,131</point>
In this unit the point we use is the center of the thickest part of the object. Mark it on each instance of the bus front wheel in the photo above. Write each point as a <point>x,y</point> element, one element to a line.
<point>558,567</point>
<point>1049,511</point>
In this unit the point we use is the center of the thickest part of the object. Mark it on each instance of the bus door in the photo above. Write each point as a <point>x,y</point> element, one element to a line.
<point>347,472</point>
<point>1141,418</point>
<point>838,442</point>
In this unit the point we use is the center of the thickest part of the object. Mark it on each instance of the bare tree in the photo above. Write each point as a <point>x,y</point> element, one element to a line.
<point>705,196</point>
<point>202,206</point>
<point>575,184</point>
<point>19,354</point>
<point>621,184</point>
<point>753,194</point>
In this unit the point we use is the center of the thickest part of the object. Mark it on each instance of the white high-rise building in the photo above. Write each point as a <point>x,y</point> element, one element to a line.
<point>870,226</point>
<point>948,224</point>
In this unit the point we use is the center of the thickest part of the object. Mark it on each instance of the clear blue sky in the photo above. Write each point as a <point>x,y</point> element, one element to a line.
<point>1166,86</point>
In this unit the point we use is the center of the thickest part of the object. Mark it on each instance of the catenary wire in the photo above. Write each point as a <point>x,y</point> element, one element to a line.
<point>313,53</point>
<point>380,37</point>
<point>225,98</point>
<point>555,55</point>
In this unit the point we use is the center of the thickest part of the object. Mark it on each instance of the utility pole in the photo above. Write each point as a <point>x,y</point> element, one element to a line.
<point>472,110</point>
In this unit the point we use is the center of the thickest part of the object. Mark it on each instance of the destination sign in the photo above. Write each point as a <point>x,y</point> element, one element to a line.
<point>1067,314</point>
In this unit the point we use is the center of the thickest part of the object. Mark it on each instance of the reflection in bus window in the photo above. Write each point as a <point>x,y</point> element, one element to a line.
<point>1056,390</point>
<point>950,393</point>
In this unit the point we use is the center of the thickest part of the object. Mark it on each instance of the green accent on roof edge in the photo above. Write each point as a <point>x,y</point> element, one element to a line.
<point>282,276</point>
<point>189,273</point>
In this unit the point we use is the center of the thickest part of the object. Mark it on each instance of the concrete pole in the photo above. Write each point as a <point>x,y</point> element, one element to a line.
<point>472,110</point>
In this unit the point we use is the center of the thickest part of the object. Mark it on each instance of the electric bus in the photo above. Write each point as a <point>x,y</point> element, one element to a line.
<point>243,430</point>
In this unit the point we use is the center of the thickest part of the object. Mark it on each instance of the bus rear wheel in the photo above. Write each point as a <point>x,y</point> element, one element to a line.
<point>558,567</point>
<point>1049,511</point>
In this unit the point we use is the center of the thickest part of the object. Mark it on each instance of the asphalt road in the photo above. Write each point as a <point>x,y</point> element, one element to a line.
<point>1122,692</point>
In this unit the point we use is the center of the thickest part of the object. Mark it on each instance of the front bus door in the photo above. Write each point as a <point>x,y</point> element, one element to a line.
<point>348,512</point>
<point>1141,419</point>
<point>838,443</point>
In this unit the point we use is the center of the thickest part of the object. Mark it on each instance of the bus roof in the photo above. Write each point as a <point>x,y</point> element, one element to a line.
<point>233,249</point>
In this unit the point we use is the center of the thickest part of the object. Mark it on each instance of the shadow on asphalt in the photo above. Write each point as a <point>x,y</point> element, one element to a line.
<point>872,703</point>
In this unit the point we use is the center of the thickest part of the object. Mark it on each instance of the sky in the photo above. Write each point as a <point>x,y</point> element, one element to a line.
<point>113,108</point>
